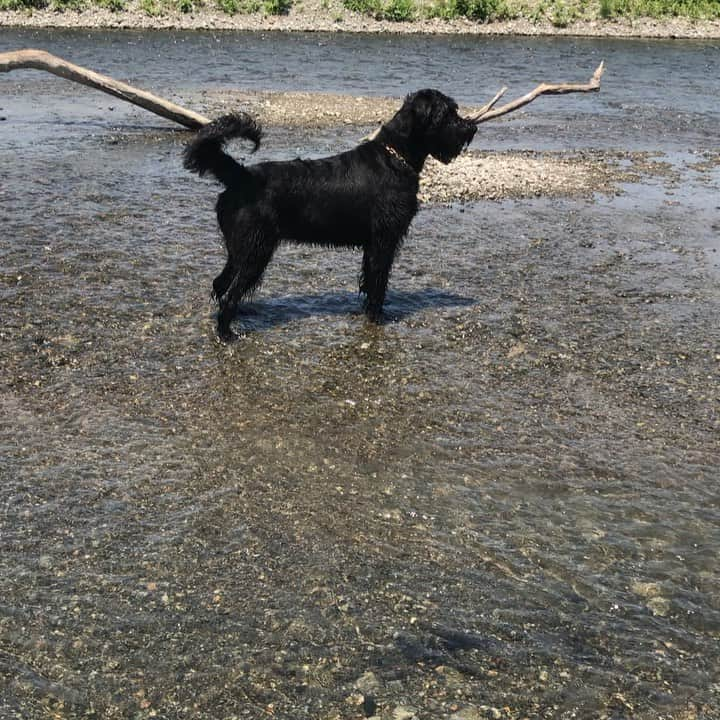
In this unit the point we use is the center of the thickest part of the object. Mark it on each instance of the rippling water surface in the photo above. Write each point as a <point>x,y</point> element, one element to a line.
<point>503,501</point>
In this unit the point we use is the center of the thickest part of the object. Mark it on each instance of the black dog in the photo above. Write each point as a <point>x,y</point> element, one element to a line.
<point>365,197</point>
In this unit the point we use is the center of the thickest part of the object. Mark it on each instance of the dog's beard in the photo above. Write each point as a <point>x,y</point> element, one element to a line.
<point>452,142</point>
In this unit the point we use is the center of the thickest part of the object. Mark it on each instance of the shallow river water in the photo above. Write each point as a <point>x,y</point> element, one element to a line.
<point>501,503</point>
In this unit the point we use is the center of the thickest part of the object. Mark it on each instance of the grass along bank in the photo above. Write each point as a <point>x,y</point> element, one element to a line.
<point>154,8</point>
<point>555,13</point>
<point>561,13</point>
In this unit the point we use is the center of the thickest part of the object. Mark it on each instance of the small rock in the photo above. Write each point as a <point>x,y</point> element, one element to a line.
<point>467,713</point>
<point>403,713</point>
<point>453,678</point>
<point>491,712</point>
<point>368,683</point>
<point>516,350</point>
<point>659,606</point>
<point>646,590</point>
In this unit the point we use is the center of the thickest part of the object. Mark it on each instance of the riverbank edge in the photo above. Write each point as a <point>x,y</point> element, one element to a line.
<point>332,17</point>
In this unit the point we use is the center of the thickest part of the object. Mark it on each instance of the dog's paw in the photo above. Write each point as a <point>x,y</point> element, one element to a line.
<point>376,317</point>
<point>225,336</point>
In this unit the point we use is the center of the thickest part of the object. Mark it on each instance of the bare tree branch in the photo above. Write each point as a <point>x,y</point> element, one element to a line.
<point>489,111</point>
<point>41,60</point>
<point>543,89</point>
<point>486,108</point>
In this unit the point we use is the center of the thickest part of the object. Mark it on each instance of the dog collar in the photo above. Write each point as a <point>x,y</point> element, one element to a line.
<point>397,155</point>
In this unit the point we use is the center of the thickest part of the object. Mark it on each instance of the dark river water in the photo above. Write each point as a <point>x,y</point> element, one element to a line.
<point>504,502</point>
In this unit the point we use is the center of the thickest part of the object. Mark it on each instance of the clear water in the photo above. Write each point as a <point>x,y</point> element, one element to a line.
<point>506,496</point>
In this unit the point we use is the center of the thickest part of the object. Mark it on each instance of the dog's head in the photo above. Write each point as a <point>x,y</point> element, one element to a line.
<point>428,124</point>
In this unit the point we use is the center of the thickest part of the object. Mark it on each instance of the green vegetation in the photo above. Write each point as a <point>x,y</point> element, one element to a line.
<point>248,7</point>
<point>480,10</point>
<point>561,13</point>
<point>373,8</point>
<point>277,7</point>
<point>151,8</point>
<point>54,4</point>
<point>400,10</point>
<point>404,10</point>
<point>113,5</point>
<point>61,5</point>
<point>156,8</point>
<point>19,4</point>
<point>696,9</point>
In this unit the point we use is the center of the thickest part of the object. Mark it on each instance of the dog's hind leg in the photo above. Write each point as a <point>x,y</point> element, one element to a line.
<point>222,282</point>
<point>250,258</point>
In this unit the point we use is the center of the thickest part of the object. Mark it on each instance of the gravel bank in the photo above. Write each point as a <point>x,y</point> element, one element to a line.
<point>331,16</point>
<point>475,175</point>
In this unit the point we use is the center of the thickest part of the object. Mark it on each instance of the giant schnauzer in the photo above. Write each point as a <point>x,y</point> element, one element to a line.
<point>365,197</point>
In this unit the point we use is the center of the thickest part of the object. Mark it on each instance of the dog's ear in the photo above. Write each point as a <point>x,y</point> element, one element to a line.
<point>403,122</point>
<point>430,107</point>
<point>423,111</point>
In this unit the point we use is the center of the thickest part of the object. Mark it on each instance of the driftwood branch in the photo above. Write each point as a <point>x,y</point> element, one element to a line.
<point>41,60</point>
<point>488,112</point>
<point>486,108</point>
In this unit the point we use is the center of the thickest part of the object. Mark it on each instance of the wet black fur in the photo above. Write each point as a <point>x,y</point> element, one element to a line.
<point>365,197</point>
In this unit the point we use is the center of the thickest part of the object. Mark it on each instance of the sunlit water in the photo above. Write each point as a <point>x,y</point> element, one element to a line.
<point>505,496</point>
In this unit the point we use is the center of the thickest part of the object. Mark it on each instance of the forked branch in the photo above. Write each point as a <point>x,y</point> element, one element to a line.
<point>489,112</point>
<point>41,60</point>
<point>486,108</point>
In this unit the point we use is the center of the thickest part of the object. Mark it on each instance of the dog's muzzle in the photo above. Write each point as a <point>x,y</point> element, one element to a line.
<point>454,140</point>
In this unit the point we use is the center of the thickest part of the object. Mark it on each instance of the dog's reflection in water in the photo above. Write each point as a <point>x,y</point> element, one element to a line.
<point>365,197</point>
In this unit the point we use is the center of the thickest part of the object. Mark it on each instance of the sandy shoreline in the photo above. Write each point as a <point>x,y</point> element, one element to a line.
<point>319,16</point>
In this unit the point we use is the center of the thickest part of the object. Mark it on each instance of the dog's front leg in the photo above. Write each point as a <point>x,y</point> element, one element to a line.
<point>376,265</point>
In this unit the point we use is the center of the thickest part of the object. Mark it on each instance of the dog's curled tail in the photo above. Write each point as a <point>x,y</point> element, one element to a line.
<point>205,154</point>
